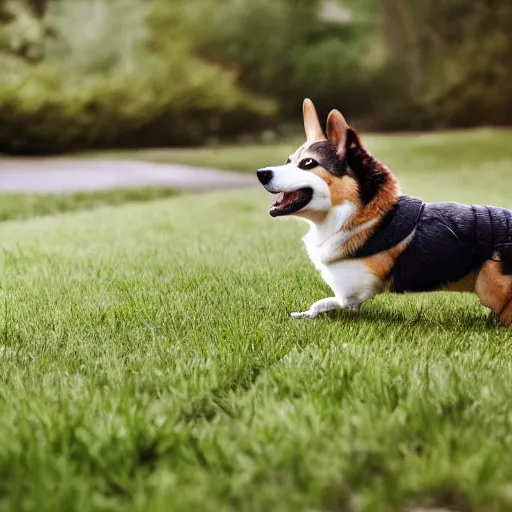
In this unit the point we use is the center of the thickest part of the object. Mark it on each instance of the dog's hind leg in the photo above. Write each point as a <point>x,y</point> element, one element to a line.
<point>506,315</point>
<point>495,290</point>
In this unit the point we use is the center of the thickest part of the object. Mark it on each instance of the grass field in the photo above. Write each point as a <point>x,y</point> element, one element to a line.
<point>23,206</point>
<point>148,362</point>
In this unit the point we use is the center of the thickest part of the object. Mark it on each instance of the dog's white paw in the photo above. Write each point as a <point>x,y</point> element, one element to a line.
<point>301,314</point>
<point>320,307</point>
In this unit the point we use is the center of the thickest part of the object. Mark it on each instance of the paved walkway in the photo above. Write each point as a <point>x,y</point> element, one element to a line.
<point>67,175</point>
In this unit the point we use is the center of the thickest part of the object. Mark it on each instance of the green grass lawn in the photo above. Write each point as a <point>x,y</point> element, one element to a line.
<point>148,362</point>
<point>23,206</point>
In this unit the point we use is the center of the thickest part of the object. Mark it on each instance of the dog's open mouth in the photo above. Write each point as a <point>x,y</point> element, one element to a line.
<point>291,202</point>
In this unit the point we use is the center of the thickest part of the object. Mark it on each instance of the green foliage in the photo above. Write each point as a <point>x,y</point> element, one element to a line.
<point>453,60</point>
<point>153,72</point>
<point>471,78</point>
<point>22,32</point>
<point>46,112</point>
<point>98,90</point>
<point>113,40</point>
<point>284,49</point>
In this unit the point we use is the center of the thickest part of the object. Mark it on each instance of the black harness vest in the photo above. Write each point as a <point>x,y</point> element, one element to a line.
<point>450,241</point>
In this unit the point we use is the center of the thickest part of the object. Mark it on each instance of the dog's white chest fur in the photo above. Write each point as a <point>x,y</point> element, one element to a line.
<point>351,280</point>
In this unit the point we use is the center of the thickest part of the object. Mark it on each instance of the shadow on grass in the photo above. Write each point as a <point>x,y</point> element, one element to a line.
<point>422,317</point>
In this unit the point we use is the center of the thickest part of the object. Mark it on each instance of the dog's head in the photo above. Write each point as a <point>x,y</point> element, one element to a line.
<point>325,171</point>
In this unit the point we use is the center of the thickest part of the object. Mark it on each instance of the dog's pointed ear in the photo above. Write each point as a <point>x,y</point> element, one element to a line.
<point>337,129</point>
<point>312,125</point>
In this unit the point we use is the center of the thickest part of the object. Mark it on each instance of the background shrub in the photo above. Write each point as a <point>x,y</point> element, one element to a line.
<point>286,50</point>
<point>168,72</point>
<point>92,90</point>
<point>46,112</point>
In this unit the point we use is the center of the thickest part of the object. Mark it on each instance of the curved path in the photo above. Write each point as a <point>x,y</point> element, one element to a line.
<point>47,175</point>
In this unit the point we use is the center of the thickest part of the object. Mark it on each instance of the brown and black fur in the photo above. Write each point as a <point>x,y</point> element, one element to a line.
<point>378,192</point>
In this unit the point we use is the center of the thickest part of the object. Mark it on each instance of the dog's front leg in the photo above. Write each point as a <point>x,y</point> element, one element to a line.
<point>322,306</point>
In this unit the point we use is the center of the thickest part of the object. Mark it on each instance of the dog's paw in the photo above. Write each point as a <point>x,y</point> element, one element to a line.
<point>302,314</point>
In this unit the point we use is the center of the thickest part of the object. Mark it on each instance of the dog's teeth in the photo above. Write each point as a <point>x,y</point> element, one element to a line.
<point>279,199</point>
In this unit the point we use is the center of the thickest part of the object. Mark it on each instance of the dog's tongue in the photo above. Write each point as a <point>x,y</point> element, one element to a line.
<point>290,202</point>
<point>286,198</point>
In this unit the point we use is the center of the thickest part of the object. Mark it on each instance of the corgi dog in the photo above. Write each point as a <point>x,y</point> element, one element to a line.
<point>366,238</point>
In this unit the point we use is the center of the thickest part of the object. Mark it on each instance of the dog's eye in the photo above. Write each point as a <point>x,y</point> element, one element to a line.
<point>307,164</point>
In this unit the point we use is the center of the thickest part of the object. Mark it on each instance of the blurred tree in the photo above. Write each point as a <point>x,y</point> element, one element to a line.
<point>39,7</point>
<point>289,49</point>
<point>153,72</point>
<point>454,57</point>
<point>111,82</point>
<point>22,30</point>
<point>113,39</point>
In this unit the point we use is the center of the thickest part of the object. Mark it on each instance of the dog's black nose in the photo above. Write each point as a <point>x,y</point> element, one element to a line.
<point>264,176</point>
